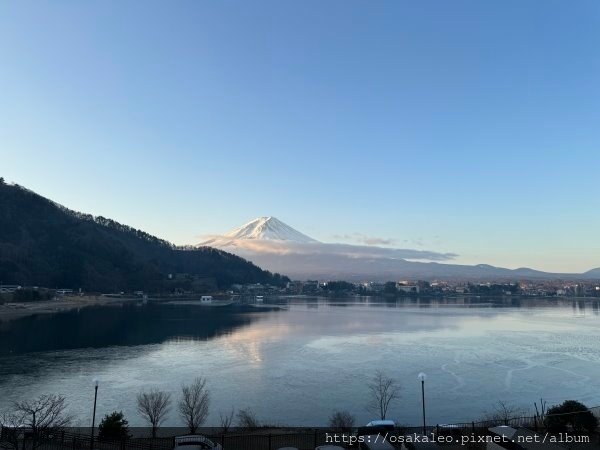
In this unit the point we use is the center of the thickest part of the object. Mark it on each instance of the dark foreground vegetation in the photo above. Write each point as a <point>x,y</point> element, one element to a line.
<point>245,432</point>
<point>45,244</point>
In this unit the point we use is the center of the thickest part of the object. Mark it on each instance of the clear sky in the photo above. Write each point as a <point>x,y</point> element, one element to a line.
<point>456,126</point>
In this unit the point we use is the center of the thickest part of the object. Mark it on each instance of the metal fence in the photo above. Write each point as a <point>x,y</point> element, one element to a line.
<point>236,439</point>
<point>23,439</point>
<point>251,440</point>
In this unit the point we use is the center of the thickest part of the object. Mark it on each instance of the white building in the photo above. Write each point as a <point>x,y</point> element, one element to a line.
<point>9,288</point>
<point>64,291</point>
<point>407,287</point>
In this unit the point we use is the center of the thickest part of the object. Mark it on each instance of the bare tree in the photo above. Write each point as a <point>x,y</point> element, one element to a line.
<point>10,423</point>
<point>42,414</point>
<point>247,419</point>
<point>540,413</point>
<point>502,412</point>
<point>154,407</point>
<point>194,403</point>
<point>384,390</point>
<point>341,420</point>
<point>226,420</point>
<point>11,420</point>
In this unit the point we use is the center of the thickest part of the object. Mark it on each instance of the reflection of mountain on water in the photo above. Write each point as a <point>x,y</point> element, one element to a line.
<point>130,324</point>
<point>126,324</point>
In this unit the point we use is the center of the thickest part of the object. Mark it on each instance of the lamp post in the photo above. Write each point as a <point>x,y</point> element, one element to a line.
<point>422,377</point>
<point>96,383</point>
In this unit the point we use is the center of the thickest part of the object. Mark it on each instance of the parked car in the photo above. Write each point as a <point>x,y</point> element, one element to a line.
<point>384,424</point>
<point>373,435</point>
<point>375,442</point>
<point>420,446</point>
<point>453,431</point>
<point>195,442</point>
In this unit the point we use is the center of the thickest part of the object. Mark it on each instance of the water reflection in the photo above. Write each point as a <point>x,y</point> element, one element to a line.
<point>127,325</point>
<point>136,324</point>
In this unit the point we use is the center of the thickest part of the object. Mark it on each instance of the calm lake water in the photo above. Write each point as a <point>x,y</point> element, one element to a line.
<point>294,366</point>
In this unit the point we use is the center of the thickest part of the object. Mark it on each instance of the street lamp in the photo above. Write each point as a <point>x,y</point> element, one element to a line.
<point>422,377</point>
<point>96,383</point>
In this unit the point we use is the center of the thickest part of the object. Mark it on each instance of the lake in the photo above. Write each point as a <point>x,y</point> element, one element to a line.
<point>296,363</point>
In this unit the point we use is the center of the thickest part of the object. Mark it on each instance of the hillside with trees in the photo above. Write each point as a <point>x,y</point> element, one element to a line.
<point>45,244</point>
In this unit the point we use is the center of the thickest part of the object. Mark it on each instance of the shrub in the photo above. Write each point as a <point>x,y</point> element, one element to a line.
<point>570,413</point>
<point>342,420</point>
<point>247,419</point>
<point>114,427</point>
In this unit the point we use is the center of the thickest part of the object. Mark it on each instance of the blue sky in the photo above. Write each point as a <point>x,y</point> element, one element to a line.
<point>466,126</point>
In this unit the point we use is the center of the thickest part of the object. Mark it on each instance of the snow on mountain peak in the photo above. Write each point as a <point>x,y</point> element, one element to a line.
<point>265,228</point>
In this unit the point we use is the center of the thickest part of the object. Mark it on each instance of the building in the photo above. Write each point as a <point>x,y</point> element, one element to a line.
<point>5,288</point>
<point>410,288</point>
<point>310,287</point>
<point>374,287</point>
<point>64,291</point>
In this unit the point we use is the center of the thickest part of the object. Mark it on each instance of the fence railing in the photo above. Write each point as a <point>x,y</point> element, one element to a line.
<point>256,439</point>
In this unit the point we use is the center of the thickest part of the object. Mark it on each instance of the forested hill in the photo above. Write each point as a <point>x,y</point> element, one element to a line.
<point>45,244</point>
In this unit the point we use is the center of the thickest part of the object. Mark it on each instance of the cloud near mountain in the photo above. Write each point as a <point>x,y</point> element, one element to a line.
<point>249,246</point>
<point>368,240</point>
<point>273,245</point>
<point>268,235</point>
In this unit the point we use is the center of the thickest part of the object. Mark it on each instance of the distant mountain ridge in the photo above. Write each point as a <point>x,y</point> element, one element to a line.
<point>272,244</point>
<point>45,244</point>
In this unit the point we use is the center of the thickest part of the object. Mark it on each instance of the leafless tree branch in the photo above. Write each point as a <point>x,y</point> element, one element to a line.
<point>194,403</point>
<point>154,407</point>
<point>384,390</point>
<point>226,420</point>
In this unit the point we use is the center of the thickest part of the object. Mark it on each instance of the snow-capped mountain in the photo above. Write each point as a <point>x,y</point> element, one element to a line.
<point>274,245</point>
<point>262,228</point>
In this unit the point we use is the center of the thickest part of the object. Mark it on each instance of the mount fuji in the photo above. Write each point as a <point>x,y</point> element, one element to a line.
<point>262,228</point>
<point>276,246</point>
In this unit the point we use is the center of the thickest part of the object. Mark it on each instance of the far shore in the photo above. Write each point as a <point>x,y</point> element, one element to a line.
<point>17,310</point>
<point>14,310</point>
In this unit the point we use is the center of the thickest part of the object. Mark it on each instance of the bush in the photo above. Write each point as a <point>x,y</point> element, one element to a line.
<point>341,420</point>
<point>570,413</point>
<point>247,419</point>
<point>114,427</point>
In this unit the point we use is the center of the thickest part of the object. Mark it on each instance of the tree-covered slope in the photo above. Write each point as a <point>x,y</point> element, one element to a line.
<point>45,244</point>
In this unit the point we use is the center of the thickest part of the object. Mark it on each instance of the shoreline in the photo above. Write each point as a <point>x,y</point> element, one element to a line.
<point>17,310</point>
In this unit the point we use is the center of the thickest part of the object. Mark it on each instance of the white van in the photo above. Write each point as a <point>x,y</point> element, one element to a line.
<point>195,442</point>
<point>373,435</point>
<point>383,424</point>
<point>375,442</point>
